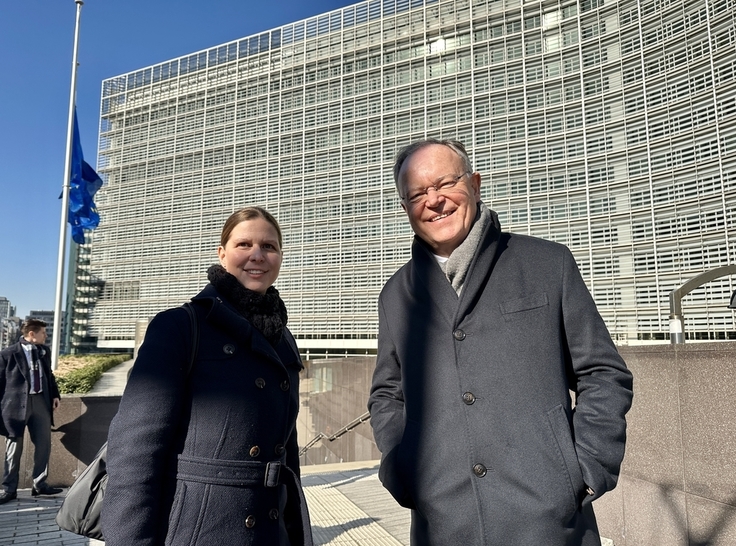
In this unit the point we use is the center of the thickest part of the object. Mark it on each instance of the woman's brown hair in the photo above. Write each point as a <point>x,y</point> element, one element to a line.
<point>249,213</point>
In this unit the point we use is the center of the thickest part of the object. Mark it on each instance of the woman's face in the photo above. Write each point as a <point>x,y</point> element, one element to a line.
<point>252,254</point>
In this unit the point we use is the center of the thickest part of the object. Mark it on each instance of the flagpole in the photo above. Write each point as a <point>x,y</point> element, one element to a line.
<point>65,198</point>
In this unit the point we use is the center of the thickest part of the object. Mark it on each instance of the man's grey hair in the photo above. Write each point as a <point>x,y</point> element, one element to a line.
<point>406,151</point>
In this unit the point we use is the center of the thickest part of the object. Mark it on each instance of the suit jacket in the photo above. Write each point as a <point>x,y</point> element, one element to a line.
<point>181,450</point>
<point>471,405</point>
<point>15,384</point>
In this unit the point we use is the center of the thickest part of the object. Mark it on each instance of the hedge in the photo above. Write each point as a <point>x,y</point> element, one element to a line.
<point>82,378</point>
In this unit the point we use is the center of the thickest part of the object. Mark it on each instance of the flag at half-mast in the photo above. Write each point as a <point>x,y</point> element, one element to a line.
<point>83,185</point>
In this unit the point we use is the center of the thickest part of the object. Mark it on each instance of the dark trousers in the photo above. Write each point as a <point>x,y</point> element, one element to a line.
<point>38,421</point>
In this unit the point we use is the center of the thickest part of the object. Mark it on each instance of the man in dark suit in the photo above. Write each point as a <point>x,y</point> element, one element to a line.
<point>28,398</point>
<point>483,336</point>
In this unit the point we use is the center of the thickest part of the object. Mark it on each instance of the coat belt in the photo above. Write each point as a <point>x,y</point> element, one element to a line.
<point>246,474</point>
<point>228,472</point>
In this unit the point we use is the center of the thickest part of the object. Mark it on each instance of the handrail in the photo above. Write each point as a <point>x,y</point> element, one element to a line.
<point>343,430</point>
<point>676,321</point>
<point>311,442</point>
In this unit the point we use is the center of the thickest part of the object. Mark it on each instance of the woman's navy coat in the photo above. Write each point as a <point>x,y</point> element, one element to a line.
<point>216,429</point>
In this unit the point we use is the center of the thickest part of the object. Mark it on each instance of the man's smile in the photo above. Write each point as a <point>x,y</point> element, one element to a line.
<point>440,216</point>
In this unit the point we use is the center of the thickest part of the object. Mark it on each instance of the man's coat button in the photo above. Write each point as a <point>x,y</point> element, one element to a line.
<point>468,398</point>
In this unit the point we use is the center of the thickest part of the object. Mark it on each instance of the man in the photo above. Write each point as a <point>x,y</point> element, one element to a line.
<point>482,337</point>
<point>28,397</point>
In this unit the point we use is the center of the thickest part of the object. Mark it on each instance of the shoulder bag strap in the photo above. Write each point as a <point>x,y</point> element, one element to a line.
<point>195,335</point>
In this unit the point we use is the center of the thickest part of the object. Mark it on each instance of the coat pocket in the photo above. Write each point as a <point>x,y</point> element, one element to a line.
<point>395,470</point>
<point>520,307</point>
<point>568,456</point>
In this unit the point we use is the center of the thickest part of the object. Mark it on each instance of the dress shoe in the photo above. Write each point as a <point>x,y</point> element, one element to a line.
<point>7,497</point>
<point>45,490</point>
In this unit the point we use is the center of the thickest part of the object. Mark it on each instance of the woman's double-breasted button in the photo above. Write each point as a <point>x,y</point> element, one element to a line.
<point>228,349</point>
<point>480,470</point>
<point>250,522</point>
<point>260,382</point>
<point>468,398</point>
<point>279,449</point>
<point>273,513</point>
<point>255,451</point>
<point>284,385</point>
<point>458,334</point>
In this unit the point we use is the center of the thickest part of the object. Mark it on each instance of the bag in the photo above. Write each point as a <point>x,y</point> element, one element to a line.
<point>80,511</point>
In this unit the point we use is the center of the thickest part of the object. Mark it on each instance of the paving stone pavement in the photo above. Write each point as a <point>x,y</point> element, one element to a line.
<point>112,382</point>
<point>30,521</point>
<point>348,506</point>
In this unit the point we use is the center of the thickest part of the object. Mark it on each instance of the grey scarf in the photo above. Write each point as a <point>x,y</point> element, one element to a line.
<point>457,265</point>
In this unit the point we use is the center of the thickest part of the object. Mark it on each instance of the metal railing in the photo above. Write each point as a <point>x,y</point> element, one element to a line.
<point>347,428</point>
<point>677,334</point>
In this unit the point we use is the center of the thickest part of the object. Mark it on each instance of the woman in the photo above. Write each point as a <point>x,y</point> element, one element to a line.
<point>209,456</point>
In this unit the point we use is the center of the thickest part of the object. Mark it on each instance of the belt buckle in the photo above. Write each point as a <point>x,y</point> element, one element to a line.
<point>273,470</point>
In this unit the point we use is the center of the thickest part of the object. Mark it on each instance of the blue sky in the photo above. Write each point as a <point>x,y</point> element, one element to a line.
<point>116,37</point>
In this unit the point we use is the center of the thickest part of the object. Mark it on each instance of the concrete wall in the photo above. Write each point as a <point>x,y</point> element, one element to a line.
<point>333,393</point>
<point>80,429</point>
<point>678,479</point>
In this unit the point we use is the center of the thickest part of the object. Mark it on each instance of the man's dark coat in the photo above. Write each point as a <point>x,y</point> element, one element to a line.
<point>15,383</point>
<point>187,456</point>
<point>471,405</point>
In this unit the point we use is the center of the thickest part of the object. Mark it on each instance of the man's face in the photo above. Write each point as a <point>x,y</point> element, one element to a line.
<point>442,219</point>
<point>38,336</point>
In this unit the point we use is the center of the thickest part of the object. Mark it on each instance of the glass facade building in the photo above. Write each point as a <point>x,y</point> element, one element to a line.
<point>609,126</point>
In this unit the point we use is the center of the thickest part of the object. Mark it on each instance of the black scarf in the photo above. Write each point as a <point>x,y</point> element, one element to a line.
<point>266,312</point>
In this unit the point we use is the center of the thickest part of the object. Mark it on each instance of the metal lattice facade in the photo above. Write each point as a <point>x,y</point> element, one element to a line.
<point>607,126</point>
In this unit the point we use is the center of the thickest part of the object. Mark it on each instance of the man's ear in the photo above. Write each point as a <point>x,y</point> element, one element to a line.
<point>475,183</point>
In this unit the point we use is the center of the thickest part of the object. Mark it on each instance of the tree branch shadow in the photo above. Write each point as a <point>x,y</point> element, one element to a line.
<point>716,533</point>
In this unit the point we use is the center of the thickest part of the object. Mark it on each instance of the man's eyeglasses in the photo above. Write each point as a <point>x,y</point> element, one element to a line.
<point>443,187</point>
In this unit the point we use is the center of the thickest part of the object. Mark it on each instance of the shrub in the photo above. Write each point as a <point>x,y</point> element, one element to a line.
<point>79,373</point>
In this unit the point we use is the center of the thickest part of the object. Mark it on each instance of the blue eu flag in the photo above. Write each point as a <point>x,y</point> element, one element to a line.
<point>84,184</point>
